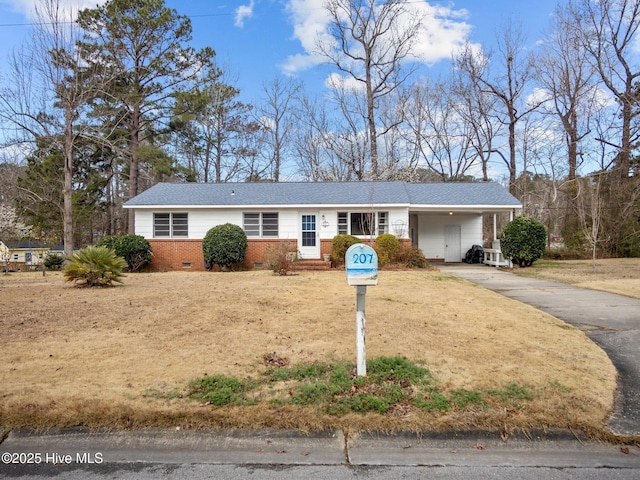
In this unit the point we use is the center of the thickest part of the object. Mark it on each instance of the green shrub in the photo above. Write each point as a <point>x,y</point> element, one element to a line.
<point>95,267</point>
<point>387,247</point>
<point>224,245</point>
<point>412,257</point>
<point>54,261</point>
<point>339,246</point>
<point>108,241</point>
<point>523,240</point>
<point>135,249</point>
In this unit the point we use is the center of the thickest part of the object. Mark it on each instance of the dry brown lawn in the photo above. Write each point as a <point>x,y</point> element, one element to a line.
<point>616,275</point>
<point>111,357</point>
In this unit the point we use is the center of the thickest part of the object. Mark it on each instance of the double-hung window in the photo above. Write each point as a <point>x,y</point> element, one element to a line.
<point>383,222</point>
<point>260,225</point>
<point>170,225</point>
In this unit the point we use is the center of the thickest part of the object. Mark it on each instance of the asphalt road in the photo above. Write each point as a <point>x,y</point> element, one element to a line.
<point>173,454</point>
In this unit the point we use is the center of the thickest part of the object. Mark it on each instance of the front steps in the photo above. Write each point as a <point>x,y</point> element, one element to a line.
<point>311,265</point>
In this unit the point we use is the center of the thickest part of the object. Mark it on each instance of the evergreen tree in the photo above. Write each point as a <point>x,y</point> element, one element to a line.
<point>140,47</point>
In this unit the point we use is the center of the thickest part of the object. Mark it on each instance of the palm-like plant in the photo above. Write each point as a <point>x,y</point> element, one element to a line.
<point>95,267</point>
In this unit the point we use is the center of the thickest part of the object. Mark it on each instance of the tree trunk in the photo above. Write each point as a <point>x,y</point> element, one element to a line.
<point>512,156</point>
<point>134,164</point>
<point>372,128</point>
<point>67,190</point>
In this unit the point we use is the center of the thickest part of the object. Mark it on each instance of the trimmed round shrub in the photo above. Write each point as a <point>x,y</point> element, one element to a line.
<point>54,261</point>
<point>339,246</point>
<point>95,267</point>
<point>224,245</point>
<point>387,247</point>
<point>523,240</point>
<point>135,249</point>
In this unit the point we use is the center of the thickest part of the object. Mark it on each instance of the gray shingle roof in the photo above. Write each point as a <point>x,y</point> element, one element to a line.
<point>485,193</point>
<point>328,193</point>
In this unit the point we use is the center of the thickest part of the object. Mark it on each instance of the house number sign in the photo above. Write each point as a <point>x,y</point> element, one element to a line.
<point>362,265</point>
<point>362,270</point>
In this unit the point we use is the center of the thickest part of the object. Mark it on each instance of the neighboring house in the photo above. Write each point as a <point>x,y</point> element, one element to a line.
<point>442,219</point>
<point>5,255</point>
<point>23,254</point>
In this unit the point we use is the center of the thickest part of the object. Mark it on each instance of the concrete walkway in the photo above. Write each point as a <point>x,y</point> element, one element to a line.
<point>611,321</point>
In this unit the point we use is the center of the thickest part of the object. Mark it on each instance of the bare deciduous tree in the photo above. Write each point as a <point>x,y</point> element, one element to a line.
<point>49,90</point>
<point>478,109</point>
<point>563,70</point>
<point>371,41</point>
<point>276,118</point>
<point>509,86</point>
<point>609,32</point>
<point>439,133</point>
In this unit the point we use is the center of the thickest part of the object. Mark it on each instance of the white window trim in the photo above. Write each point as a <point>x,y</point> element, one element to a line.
<point>171,225</point>
<point>261,224</point>
<point>376,219</point>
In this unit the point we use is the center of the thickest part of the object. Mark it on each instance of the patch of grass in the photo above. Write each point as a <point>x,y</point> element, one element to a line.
<point>335,389</point>
<point>310,394</point>
<point>512,391</point>
<point>397,369</point>
<point>221,390</point>
<point>432,401</point>
<point>559,387</point>
<point>160,394</point>
<point>463,398</point>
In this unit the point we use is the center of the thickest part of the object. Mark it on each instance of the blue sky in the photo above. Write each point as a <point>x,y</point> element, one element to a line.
<point>258,40</point>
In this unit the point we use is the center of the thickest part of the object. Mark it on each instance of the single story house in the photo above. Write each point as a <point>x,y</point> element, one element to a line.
<point>442,219</point>
<point>22,254</point>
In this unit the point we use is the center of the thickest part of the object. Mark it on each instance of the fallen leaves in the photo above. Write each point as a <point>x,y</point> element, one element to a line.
<point>274,360</point>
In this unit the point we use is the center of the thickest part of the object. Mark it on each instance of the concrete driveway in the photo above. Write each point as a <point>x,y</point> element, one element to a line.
<point>611,321</point>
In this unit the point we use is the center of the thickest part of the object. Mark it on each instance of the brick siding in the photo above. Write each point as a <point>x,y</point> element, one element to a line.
<point>177,254</point>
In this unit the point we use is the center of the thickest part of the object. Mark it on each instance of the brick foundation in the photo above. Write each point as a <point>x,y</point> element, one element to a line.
<point>174,254</point>
<point>177,254</point>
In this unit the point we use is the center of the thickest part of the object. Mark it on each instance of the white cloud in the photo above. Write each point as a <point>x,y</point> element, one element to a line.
<point>243,12</point>
<point>336,81</point>
<point>300,62</point>
<point>539,96</point>
<point>310,22</point>
<point>28,7</point>
<point>444,31</point>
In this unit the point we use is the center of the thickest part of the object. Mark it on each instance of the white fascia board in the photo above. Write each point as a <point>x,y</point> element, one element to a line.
<point>317,206</point>
<point>445,208</point>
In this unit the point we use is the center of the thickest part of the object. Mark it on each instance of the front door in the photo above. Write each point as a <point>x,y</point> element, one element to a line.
<point>452,248</point>
<point>308,242</point>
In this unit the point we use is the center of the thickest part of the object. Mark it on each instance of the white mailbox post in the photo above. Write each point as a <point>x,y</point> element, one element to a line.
<point>362,269</point>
